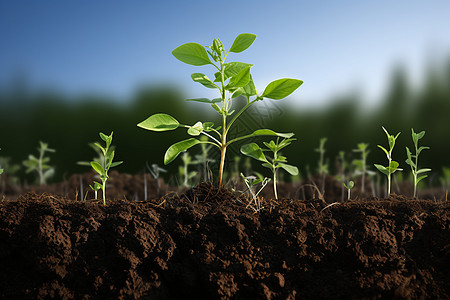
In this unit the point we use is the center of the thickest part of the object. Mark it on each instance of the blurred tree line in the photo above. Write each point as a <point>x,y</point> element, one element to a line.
<point>68,125</point>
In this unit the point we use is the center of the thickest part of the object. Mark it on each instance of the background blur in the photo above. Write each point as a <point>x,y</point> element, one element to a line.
<point>71,69</point>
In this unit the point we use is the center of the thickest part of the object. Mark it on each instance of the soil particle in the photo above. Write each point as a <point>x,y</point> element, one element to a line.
<point>207,244</point>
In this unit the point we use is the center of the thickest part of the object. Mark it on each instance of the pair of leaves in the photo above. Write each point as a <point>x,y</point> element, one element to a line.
<point>393,166</point>
<point>195,54</point>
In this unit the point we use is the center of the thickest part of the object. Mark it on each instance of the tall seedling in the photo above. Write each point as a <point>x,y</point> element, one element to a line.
<point>413,159</point>
<point>231,79</point>
<point>392,165</point>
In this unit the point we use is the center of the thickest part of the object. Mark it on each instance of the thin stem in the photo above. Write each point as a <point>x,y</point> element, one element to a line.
<point>275,183</point>
<point>239,113</point>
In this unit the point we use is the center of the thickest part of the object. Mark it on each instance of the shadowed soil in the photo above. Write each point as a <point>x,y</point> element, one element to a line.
<point>205,244</point>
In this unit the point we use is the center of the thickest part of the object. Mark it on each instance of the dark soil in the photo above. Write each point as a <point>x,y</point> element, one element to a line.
<point>207,243</point>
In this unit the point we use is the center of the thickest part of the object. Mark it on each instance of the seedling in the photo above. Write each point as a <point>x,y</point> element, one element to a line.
<point>203,158</point>
<point>274,163</point>
<point>392,165</point>
<point>323,167</point>
<point>412,159</point>
<point>184,169</point>
<point>155,171</point>
<point>349,186</point>
<point>231,80</point>
<point>361,164</point>
<point>40,164</point>
<point>106,163</point>
<point>251,182</point>
<point>342,165</point>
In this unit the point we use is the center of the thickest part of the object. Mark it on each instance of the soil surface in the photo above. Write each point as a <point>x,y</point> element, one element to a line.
<point>209,243</point>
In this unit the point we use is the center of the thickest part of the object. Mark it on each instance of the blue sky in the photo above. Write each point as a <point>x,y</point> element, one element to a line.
<point>111,47</point>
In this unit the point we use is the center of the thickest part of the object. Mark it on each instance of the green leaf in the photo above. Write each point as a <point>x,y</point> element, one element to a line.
<point>216,108</point>
<point>241,79</point>
<point>192,54</point>
<point>421,149</point>
<point>293,170</point>
<point>237,93</point>
<point>204,80</point>
<point>281,88</point>
<point>103,136</point>
<point>385,151</point>
<point>254,151</point>
<point>205,100</point>
<point>271,132</point>
<point>423,171</point>
<point>242,42</point>
<point>159,122</point>
<point>250,89</point>
<point>393,167</point>
<point>97,167</point>
<point>421,177</point>
<point>177,148</point>
<point>382,169</point>
<point>233,68</point>
<point>350,185</point>
<point>115,164</point>
<point>100,147</point>
<point>195,129</point>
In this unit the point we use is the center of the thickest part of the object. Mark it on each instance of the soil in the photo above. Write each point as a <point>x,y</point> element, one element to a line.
<point>210,243</point>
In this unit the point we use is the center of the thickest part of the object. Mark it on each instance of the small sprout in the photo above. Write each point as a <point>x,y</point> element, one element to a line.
<point>40,164</point>
<point>251,181</point>
<point>349,186</point>
<point>277,161</point>
<point>97,186</point>
<point>155,171</point>
<point>105,164</point>
<point>322,167</point>
<point>392,165</point>
<point>412,159</point>
<point>361,164</point>
<point>184,169</point>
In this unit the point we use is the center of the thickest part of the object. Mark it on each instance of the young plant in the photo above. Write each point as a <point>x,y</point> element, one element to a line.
<point>323,167</point>
<point>184,169</point>
<point>349,186</point>
<point>361,164</point>
<point>104,165</point>
<point>275,162</point>
<point>231,79</point>
<point>392,165</point>
<point>40,164</point>
<point>251,182</point>
<point>155,171</point>
<point>413,159</point>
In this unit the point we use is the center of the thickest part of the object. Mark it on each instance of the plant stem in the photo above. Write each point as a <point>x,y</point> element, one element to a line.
<point>275,183</point>
<point>104,192</point>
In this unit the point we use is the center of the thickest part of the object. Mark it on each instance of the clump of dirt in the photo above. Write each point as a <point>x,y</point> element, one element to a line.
<point>205,244</point>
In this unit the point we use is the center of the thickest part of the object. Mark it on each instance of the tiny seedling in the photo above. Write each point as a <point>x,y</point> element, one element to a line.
<point>231,79</point>
<point>392,165</point>
<point>183,170</point>
<point>251,182</point>
<point>104,165</point>
<point>274,163</point>
<point>361,164</point>
<point>413,159</point>
<point>323,167</point>
<point>155,171</point>
<point>40,164</point>
<point>349,186</point>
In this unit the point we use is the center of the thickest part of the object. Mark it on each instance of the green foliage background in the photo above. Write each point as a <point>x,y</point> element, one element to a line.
<point>68,125</point>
